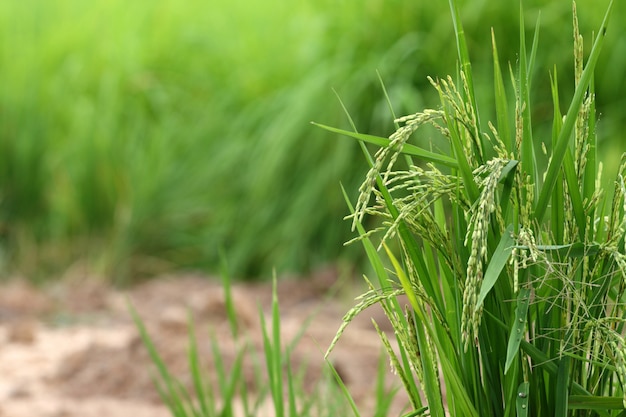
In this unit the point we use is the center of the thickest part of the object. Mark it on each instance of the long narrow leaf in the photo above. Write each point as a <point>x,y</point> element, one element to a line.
<point>407,148</point>
<point>565,134</point>
<point>498,260</point>
<point>519,327</point>
<point>558,220</point>
<point>588,402</point>
<point>502,108</point>
<point>344,389</point>
<point>562,387</point>
<point>201,387</point>
<point>522,399</point>
<point>464,59</point>
<point>528,152</point>
<point>168,387</point>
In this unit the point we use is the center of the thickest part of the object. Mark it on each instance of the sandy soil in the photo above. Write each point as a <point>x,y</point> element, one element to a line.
<point>72,349</point>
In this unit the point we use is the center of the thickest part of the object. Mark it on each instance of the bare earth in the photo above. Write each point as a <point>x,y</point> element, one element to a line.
<point>72,349</point>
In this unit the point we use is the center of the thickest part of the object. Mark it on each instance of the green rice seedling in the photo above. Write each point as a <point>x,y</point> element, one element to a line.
<point>275,381</point>
<point>506,243</point>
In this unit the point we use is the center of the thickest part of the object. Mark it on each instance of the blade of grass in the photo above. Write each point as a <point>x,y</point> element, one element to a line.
<point>565,134</point>
<point>522,399</point>
<point>562,387</point>
<point>591,175</point>
<point>464,59</point>
<point>344,389</point>
<point>230,385</point>
<point>588,402</point>
<point>498,260</point>
<point>384,142</point>
<point>404,280</point>
<point>519,327</point>
<point>527,147</point>
<point>455,386</point>
<point>401,368</point>
<point>502,109</point>
<point>291,391</point>
<point>272,350</point>
<point>557,199</point>
<point>203,389</point>
<point>430,383</point>
<point>573,189</point>
<point>170,391</point>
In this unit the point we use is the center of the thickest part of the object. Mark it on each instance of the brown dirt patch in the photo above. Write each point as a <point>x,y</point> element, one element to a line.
<point>73,350</point>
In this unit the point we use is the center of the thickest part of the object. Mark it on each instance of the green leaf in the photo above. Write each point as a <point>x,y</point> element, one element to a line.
<point>201,387</point>
<point>404,279</point>
<point>528,152</point>
<point>589,402</point>
<point>502,108</point>
<point>464,58</point>
<point>498,261</point>
<point>558,215</point>
<point>565,134</point>
<point>519,326</point>
<point>344,389</point>
<point>562,387</point>
<point>407,148</point>
<point>574,193</point>
<point>170,390</point>
<point>521,401</point>
<point>457,389</point>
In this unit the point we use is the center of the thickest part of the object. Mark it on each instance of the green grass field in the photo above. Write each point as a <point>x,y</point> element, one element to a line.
<point>146,137</point>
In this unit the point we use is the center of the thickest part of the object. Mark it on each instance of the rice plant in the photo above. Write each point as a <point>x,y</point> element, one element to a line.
<point>508,246</point>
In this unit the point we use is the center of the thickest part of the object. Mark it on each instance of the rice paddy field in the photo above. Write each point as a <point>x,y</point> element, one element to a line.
<point>151,136</point>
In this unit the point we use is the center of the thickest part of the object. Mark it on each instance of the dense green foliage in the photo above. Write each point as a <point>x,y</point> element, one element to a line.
<point>514,270</point>
<point>141,137</point>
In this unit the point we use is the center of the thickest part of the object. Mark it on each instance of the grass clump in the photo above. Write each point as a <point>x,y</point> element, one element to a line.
<point>275,388</point>
<point>510,250</point>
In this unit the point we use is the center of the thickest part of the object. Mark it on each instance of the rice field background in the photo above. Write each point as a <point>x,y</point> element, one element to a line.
<point>151,136</point>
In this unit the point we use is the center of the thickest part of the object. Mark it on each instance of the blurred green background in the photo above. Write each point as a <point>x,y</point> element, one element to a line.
<point>144,137</point>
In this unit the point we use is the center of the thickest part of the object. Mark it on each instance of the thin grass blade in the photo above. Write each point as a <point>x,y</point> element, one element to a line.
<point>589,402</point>
<point>519,327</point>
<point>502,107</point>
<point>168,388</point>
<point>498,260</point>
<point>565,134</point>
<point>527,147</point>
<point>407,148</point>
<point>201,387</point>
<point>522,399</point>
<point>562,387</point>
<point>344,389</point>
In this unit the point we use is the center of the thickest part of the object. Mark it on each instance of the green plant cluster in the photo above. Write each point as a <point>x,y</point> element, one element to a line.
<point>514,270</point>
<point>276,388</point>
<point>140,138</point>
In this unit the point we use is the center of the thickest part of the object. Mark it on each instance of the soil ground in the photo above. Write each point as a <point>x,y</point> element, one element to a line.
<point>72,349</point>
